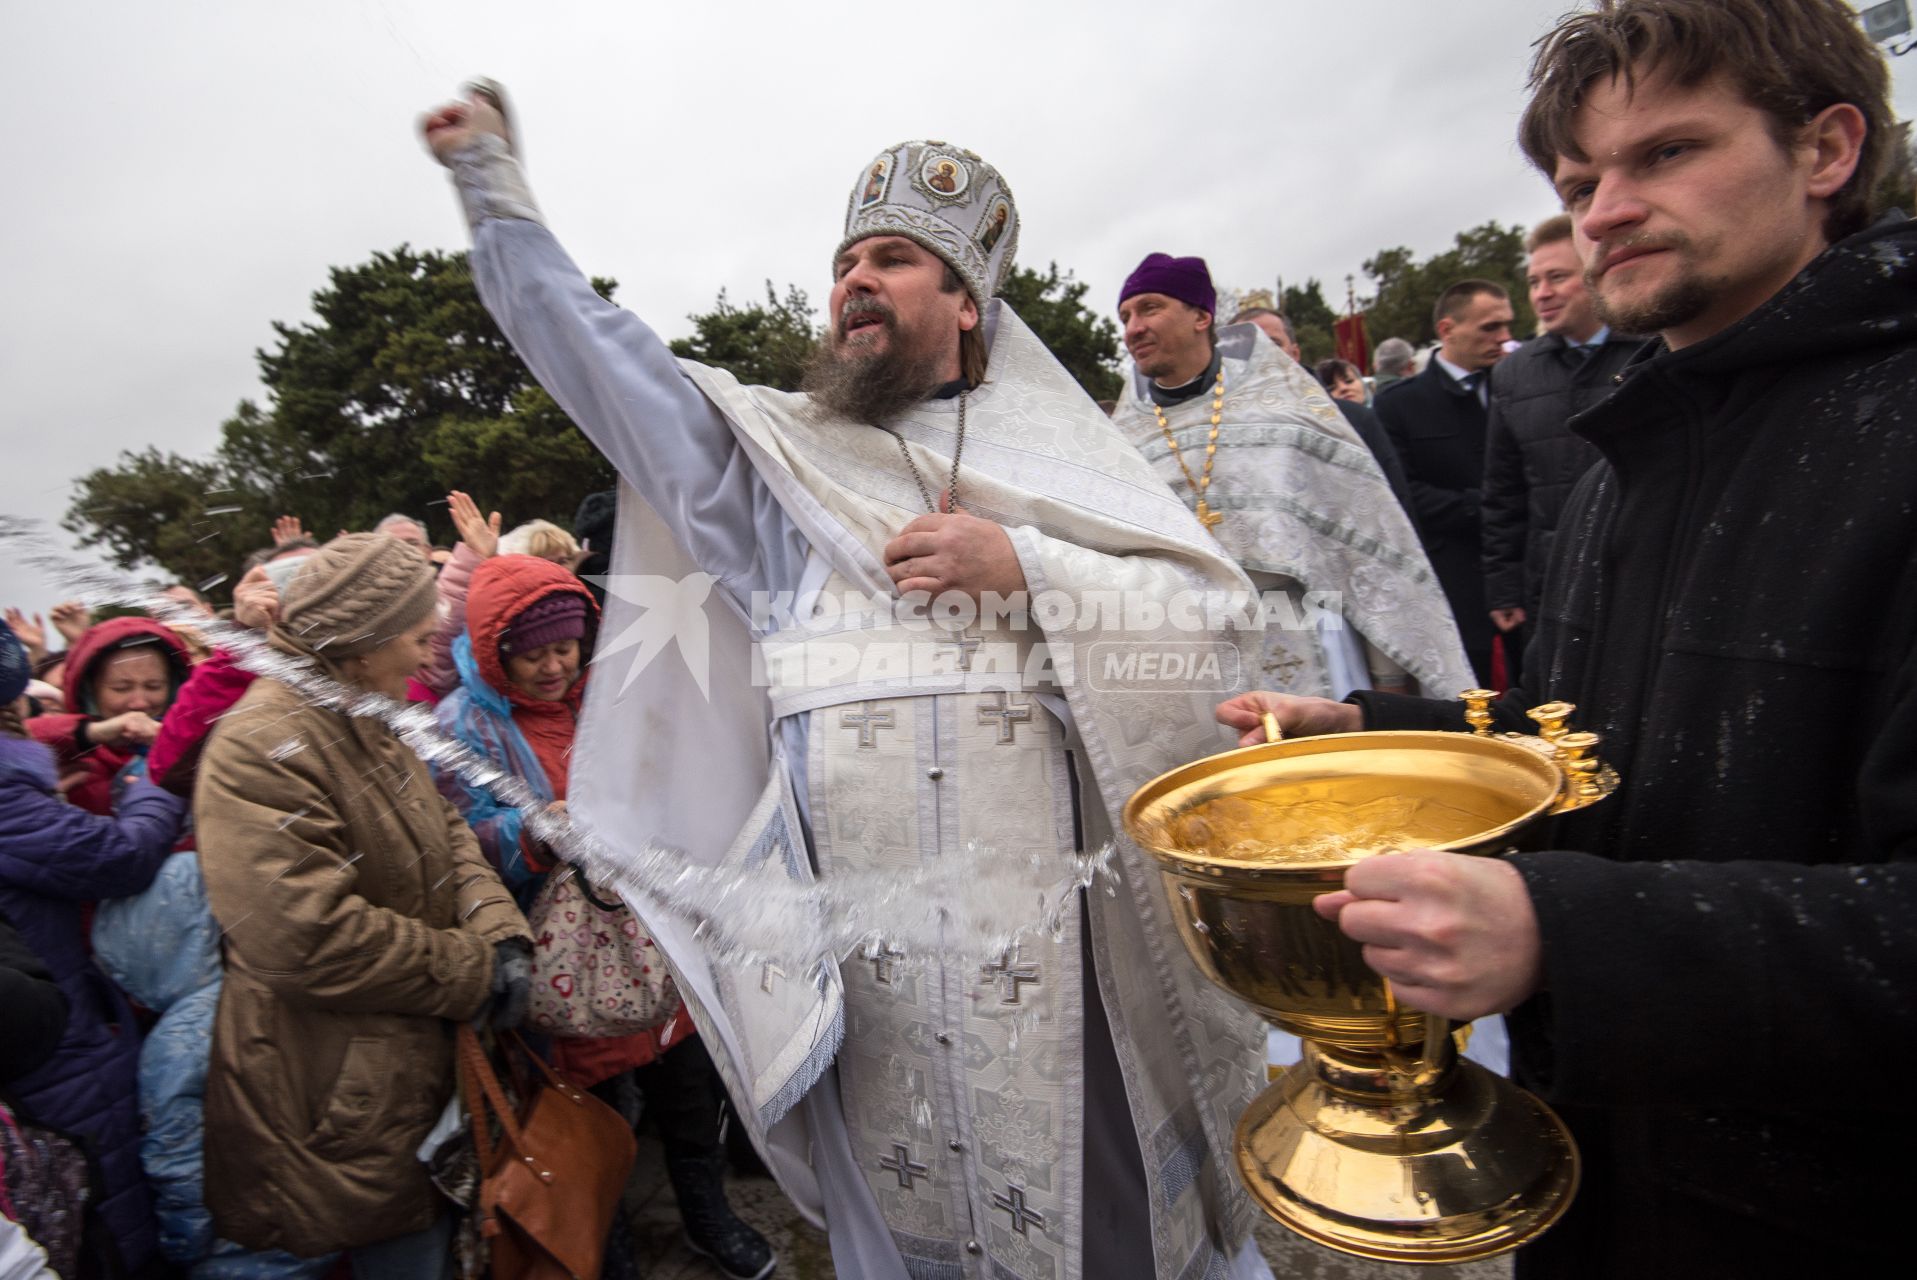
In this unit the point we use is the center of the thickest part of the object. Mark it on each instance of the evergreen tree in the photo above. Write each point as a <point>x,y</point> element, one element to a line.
<point>400,389</point>
<point>1052,304</point>
<point>760,345</point>
<point>1408,289</point>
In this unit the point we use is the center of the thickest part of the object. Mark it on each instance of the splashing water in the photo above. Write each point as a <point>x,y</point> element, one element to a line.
<point>973,906</point>
<point>1017,1026</point>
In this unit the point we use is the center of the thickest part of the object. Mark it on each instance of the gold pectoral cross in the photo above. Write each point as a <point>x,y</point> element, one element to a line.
<point>1208,517</point>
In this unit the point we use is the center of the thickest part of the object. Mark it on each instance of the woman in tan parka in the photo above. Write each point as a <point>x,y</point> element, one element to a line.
<point>361,923</point>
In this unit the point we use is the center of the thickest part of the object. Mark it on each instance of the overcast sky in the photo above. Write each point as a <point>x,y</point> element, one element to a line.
<point>178,176</point>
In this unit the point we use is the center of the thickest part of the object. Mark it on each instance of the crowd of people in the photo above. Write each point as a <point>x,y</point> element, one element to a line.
<point>239,925</point>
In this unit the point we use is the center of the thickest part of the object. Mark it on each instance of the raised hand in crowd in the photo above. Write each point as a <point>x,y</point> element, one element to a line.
<point>32,633</point>
<point>287,529</point>
<point>256,601</point>
<point>71,619</point>
<point>481,533</point>
<point>128,729</point>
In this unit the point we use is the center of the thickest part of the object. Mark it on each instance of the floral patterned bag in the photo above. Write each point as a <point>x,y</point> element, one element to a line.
<point>46,1186</point>
<point>594,973</point>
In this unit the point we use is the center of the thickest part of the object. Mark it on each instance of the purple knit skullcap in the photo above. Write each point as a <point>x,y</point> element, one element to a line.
<point>560,616</point>
<point>1186,279</point>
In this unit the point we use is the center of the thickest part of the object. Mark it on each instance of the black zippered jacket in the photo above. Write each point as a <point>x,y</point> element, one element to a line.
<point>1729,1009</point>
<point>1532,458</point>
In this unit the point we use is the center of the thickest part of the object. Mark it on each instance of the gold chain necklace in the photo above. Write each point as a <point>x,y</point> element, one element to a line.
<point>1201,483</point>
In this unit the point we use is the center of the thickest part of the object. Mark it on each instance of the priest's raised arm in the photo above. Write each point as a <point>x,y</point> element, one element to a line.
<point>606,367</point>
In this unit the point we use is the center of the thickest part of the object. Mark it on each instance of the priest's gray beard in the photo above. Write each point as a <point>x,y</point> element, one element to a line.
<point>874,387</point>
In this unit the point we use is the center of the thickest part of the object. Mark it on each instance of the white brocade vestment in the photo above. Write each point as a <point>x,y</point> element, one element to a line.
<point>1061,1110</point>
<point>966,1084</point>
<point>1307,513</point>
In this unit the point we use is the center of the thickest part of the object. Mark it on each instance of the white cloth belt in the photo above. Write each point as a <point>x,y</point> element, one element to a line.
<point>867,657</point>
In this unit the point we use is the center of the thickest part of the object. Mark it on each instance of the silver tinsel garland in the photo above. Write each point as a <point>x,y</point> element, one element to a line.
<point>972,907</point>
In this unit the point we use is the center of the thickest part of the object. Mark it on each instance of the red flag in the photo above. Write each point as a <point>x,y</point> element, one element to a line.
<point>1354,344</point>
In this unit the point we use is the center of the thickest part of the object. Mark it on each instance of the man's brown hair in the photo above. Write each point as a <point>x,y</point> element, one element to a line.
<point>1453,301</point>
<point>1789,58</point>
<point>1550,231</point>
<point>974,357</point>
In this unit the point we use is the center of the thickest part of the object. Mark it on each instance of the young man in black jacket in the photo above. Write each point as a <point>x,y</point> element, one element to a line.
<point>1712,978</point>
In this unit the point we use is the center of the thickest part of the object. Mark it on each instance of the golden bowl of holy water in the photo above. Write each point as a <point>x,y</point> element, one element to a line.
<point>1381,1141</point>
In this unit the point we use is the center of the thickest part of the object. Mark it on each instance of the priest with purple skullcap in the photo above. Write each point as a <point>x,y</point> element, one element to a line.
<point>1186,280</point>
<point>1284,484</point>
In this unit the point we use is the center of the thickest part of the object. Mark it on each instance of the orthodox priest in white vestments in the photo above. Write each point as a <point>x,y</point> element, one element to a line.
<point>1062,1110</point>
<point>1292,495</point>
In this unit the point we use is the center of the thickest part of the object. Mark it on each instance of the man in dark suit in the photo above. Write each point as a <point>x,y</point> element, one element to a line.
<point>1532,457</point>
<point>1437,423</point>
<point>1361,418</point>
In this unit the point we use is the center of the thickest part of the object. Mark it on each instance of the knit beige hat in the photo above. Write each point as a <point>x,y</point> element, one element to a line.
<point>354,594</point>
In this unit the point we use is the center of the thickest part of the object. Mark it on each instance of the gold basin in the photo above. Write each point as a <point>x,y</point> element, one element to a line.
<point>1381,1142</point>
<point>1247,839</point>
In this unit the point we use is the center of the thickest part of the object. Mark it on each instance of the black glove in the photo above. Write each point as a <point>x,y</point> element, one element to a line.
<point>512,983</point>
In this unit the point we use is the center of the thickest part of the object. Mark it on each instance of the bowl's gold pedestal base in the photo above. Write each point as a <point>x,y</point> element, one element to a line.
<point>1344,1151</point>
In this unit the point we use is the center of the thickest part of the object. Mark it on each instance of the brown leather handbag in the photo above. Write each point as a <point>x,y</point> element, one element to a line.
<point>550,1187</point>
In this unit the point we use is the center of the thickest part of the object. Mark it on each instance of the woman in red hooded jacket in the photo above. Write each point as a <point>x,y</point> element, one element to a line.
<point>122,674</point>
<point>522,668</point>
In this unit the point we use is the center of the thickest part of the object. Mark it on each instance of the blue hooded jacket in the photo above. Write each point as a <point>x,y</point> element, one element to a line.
<point>482,718</point>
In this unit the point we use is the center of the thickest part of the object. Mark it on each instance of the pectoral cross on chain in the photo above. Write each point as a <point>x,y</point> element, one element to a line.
<point>1007,715</point>
<point>1008,971</point>
<point>868,722</point>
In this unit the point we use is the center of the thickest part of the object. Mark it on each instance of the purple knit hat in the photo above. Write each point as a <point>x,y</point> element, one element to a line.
<point>548,620</point>
<point>1186,279</point>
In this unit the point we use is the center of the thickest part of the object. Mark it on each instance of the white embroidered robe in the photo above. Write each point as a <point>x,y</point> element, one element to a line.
<point>968,1095</point>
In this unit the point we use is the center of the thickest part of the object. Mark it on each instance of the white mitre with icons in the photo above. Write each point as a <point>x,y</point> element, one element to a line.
<point>945,199</point>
